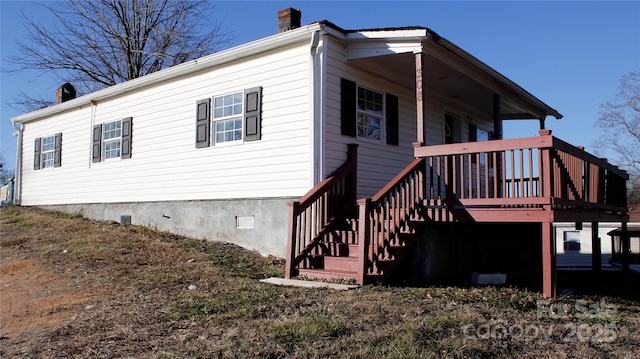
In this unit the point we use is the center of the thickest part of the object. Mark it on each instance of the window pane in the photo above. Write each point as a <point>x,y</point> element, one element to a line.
<point>47,160</point>
<point>368,127</point>
<point>228,130</point>
<point>48,143</point>
<point>112,130</point>
<point>227,105</point>
<point>112,149</point>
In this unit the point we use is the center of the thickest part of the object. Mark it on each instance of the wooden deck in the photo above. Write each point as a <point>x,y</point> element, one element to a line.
<point>540,179</point>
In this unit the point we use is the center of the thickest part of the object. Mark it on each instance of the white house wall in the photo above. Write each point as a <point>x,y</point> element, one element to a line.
<point>165,163</point>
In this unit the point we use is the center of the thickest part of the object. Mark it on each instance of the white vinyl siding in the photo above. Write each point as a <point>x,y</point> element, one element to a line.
<point>165,164</point>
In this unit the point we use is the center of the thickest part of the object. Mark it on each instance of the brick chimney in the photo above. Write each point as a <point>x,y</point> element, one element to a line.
<point>65,92</point>
<point>288,19</point>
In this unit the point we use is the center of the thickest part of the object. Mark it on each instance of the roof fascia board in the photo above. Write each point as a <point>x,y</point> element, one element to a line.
<point>215,59</point>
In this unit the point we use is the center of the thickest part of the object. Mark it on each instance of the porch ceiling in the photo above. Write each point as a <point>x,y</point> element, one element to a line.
<point>449,84</point>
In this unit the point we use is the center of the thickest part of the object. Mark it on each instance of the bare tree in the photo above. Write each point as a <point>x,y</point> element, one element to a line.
<point>6,174</point>
<point>98,43</point>
<point>620,121</point>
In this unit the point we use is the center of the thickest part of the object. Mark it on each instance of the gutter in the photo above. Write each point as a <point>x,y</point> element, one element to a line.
<point>316,121</point>
<point>18,169</point>
<point>218,58</point>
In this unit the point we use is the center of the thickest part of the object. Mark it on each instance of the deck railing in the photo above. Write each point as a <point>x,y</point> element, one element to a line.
<point>525,171</point>
<point>313,217</point>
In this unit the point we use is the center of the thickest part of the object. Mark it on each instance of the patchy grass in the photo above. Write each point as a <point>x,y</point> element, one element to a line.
<point>135,302</point>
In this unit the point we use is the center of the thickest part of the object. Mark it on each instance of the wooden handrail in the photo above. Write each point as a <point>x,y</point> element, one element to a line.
<point>317,213</point>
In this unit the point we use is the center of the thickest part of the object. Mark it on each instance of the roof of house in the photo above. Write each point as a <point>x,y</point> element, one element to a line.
<point>416,34</point>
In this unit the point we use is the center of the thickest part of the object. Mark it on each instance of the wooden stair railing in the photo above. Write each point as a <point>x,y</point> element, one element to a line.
<point>317,215</point>
<point>387,222</point>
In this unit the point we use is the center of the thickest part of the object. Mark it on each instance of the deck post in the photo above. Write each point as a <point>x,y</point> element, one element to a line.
<point>421,105</point>
<point>364,205</point>
<point>596,254</point>
<point>548,260</point>
<point>625,248</point>
<point>289,270</point>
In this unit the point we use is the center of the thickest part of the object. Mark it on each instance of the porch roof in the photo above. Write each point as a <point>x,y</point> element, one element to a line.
<point>452,71</point>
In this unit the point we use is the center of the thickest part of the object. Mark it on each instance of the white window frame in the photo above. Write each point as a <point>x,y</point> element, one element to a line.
<point>111,141</point>
<point>367,113</point>
<point>234,117</point>
<point>47,152</point>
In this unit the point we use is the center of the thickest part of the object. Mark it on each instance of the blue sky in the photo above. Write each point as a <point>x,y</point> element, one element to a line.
<point>569,54</point>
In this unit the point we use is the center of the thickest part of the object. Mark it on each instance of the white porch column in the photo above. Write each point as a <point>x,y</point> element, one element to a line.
<point>420,103</point>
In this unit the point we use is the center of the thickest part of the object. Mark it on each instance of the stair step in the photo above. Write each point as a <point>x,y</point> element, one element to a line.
<point>328,274</point>
<point>341,263</point>
<point>333,263</point>
<point>340,249</point>
<point>346,236</point>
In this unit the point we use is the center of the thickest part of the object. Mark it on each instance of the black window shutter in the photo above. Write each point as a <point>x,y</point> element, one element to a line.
<point>57,152</point>
<point>127,127</point>
<point>203,115</point>
<point>392,119</point>
<point>348,112</point>
<point>96,155</point>
<point>37,154</point>
<point>473,133</point>
<point>253,114</point>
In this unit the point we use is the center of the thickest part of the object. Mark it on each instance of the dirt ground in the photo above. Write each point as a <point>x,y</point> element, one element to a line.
<point>33,298</point>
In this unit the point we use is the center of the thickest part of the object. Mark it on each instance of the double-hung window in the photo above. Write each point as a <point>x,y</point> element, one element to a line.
<point>367,114</point>
<point>370,124</point>
<point>48,152</point>
<point>112,140</point>
<point>227,118</point>
<point>235,118</point>
<point>48,147</point>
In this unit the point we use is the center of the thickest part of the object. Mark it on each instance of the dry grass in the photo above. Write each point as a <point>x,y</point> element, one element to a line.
<point>128,296</point>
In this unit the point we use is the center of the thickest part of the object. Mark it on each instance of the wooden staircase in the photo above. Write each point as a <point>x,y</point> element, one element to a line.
<point>334,237</point>
<point>339,258</point>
